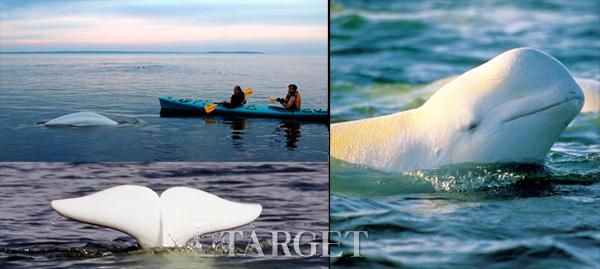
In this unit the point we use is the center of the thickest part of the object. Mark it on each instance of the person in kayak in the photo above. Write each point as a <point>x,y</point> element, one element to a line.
<point>292,99</point>
<point>238,98</point>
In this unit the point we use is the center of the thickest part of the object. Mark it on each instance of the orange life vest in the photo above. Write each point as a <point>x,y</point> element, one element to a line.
<point>298,101</point>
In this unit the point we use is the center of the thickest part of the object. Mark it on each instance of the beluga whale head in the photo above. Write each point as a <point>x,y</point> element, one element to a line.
<point>509,109</point>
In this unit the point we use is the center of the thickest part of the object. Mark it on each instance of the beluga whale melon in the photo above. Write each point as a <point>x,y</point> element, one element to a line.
<point>590,88</point>
<point>509,109</point>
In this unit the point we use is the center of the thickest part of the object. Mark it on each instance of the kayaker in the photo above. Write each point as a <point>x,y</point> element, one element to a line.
<point>292,99</point>
<point>238,98</point>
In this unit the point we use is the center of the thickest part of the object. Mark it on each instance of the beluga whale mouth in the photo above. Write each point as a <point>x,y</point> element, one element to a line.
<point>575,101</point>
<point>168,220</point>
<point>509,109</point>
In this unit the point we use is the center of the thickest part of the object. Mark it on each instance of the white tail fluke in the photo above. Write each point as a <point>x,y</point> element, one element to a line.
<point>170,220</point>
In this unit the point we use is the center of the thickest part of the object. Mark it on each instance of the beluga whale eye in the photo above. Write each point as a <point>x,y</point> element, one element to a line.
<point>472,127</point>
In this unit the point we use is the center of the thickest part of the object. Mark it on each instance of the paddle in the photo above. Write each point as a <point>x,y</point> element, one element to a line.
<point>272,99</point>
<point>211,107</point>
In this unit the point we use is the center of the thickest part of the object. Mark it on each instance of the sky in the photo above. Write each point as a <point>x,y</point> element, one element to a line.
<point>269,26</point>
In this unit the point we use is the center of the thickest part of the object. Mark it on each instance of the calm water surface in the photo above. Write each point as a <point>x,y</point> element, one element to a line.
<point>384,56</point>
<point>39,87</point>
<point>294,197</point>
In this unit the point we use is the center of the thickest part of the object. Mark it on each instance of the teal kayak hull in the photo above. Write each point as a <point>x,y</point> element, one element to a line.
<point>194,106</point>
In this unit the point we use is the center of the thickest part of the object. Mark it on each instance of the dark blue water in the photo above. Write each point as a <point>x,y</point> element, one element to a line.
<point>294,197</point>
<point>38,87</point>
<point>470,215</point>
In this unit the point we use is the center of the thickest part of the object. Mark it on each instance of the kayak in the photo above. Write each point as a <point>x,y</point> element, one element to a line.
<point>194,106</point>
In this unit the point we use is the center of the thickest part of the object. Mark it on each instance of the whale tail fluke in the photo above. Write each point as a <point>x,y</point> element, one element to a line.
<point>134,210</point>
<point>190,212</point>
<point>170,220</point>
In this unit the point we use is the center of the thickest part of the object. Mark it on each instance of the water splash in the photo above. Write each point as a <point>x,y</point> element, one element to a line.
<point>363,181</point>
<point>53,222</point>
<point>474,177</point>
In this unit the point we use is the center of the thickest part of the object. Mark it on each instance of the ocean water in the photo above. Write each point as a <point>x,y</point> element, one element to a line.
<point>294,197</point>
<point>383,49</point>
<point>388,57</point>
<point>40,87</point>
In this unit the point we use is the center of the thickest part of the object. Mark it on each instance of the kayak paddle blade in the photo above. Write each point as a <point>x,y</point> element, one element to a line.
<point>248,91</point>
<point>210,108</point>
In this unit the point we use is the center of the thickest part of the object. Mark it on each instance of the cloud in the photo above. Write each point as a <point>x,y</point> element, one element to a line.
<point>76,29</point>
<point>152,23</point>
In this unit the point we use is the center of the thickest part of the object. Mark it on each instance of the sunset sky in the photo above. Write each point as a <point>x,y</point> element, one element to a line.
<point>277,27</point>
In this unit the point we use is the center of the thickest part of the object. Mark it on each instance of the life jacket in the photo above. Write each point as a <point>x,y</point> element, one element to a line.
<point>238,99</point>
<point>296,104</point>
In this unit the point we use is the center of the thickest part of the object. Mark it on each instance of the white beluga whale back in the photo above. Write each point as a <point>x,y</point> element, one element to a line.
<point>168,220</point>
<point>591,91</point>
<point>509,109</point>
<point>81,119</point>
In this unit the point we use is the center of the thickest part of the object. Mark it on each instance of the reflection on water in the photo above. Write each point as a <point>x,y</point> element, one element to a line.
<point>237,126</point>
<point>291,129</point>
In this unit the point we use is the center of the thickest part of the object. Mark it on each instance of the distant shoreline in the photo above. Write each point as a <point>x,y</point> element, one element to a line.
<point>127,52</point>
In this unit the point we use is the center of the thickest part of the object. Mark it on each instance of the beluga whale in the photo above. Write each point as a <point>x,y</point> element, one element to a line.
<point>169,220</point>
<point>509,109</point>
<point>81,119</point>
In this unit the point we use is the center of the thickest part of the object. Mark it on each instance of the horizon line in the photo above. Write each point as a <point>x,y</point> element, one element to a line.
<point>129,52</point>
